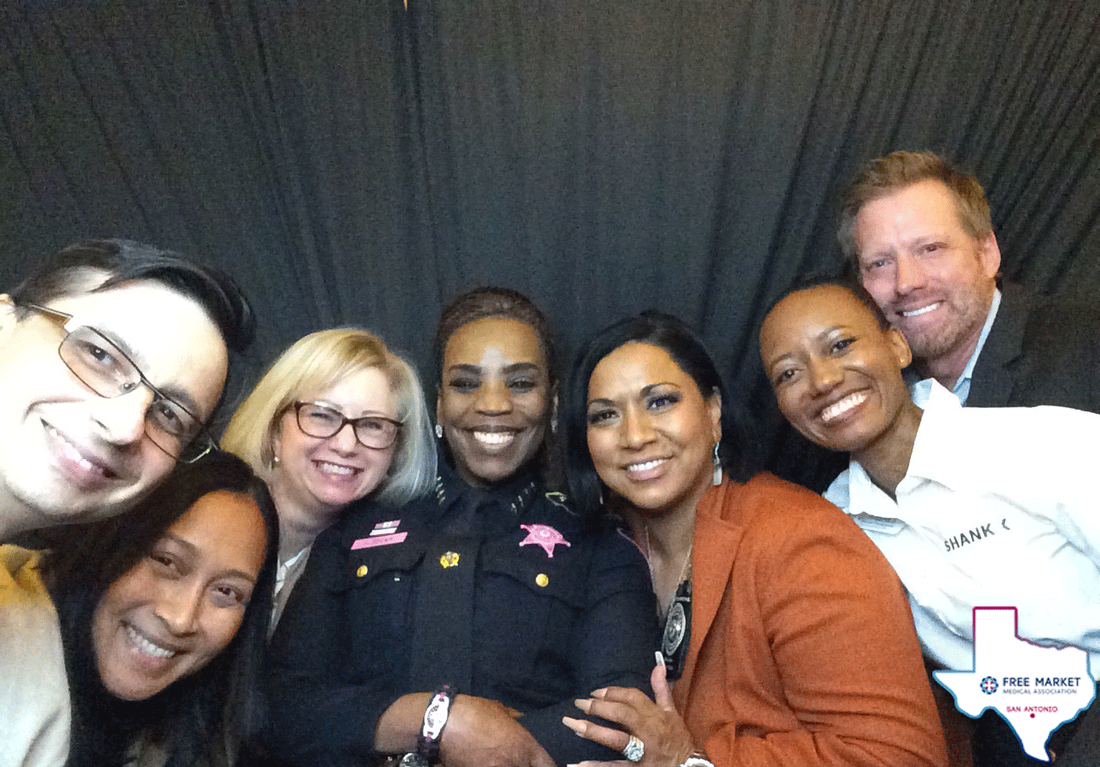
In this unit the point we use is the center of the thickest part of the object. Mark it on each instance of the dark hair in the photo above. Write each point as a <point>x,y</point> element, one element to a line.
<point>82,267</point>
<point>817,280</point>
<point>195,715</point>
<point>690,354</point>
<point>484,302</point>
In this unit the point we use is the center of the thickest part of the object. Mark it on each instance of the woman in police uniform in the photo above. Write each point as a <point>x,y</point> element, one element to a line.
<point>461,627</point>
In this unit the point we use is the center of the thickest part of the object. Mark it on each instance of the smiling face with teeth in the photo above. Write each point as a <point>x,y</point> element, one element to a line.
<point>182,603</point>
<point>494,399</point>
<point>316,477</point>
<point>69,455</point>
<point>650,430</point>
<point>932,279</point>
<point>835,371</point>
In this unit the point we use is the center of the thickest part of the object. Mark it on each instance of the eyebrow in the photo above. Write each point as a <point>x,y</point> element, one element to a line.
<point>645,391</point>
<point>825,332</point>
<point>515,367</point>
<point>194,551</point>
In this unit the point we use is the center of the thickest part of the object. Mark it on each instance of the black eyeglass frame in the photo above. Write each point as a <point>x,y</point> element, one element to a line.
<point>202,440</point>
<point>344,421</point>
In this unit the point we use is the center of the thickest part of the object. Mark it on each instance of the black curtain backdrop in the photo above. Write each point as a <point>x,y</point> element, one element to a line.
<point>359,162</point>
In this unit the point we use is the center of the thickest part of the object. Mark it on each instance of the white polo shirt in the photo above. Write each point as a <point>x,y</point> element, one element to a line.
<point>999,507</point>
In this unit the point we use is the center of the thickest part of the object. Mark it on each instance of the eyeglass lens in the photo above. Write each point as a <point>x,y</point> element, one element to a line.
<point>324,422</point>
<point>107,371</point>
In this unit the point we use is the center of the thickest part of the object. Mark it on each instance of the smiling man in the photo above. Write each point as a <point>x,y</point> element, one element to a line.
<point>113,356</point>
<point>971,506</point>
<point>919,233</point>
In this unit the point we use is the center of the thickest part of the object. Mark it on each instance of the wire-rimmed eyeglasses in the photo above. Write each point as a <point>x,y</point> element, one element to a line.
<point>99,364</point>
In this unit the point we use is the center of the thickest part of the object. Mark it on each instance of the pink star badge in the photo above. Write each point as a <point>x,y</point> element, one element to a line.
<point>545,536</point>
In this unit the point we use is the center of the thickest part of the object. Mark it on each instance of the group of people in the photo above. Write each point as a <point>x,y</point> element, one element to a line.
<point>584,571</point>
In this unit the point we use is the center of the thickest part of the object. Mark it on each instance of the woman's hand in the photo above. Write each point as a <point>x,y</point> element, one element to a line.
<point>662,731</point>
<point>484,733</point>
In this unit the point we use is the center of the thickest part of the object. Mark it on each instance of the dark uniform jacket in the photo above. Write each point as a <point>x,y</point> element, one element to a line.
<point>504,592</point>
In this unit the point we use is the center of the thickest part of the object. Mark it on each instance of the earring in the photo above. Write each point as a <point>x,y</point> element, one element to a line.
<point>717,466</point>
<point>439,431</point>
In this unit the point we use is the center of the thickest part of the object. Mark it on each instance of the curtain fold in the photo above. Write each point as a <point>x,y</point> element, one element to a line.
<point>359,162</point>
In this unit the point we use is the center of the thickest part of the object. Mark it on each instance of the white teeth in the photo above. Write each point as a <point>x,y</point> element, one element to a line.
<point>147,647</point>
<point>73,454</point>
<point>333,468</point>
<point>494,437</point>
<point>922,310</point>
<point>646,466</point>
<point>843,406</point>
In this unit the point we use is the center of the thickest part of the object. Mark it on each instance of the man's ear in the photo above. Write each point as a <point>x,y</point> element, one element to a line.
<point>714,411</point>
<point>900,347</point>
<point>989,254</point>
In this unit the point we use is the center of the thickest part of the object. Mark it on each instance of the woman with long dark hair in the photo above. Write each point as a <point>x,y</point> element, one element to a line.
<point>163,615</point>
<point>786,637</point>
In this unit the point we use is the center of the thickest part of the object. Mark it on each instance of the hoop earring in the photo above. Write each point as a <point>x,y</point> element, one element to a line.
<point>717,467</point>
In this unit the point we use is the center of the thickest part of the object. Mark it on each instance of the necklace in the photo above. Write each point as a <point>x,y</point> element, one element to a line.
<point>675,614</point>
<point>685,573</point>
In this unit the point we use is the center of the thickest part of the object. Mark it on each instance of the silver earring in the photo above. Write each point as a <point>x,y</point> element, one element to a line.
<point>717,466</point>
<point>439,431</point>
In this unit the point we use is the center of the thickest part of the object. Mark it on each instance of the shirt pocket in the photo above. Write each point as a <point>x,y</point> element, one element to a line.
<point>530,607</point>
<point>378,591</point>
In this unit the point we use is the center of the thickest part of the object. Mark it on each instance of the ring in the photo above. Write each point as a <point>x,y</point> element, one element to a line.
<point>634,749</point>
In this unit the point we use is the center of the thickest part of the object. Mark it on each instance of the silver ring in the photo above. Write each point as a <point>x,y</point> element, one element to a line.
<point>634,749</point>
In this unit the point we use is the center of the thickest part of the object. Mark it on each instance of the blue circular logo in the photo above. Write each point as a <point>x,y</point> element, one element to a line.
<point>989,685</point>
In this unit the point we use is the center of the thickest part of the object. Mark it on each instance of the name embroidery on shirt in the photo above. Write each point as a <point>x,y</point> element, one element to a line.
<point>972,536</point>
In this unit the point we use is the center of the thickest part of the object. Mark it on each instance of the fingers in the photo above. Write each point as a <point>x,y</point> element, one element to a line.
<point>613,739</point>
<point>662,693</point>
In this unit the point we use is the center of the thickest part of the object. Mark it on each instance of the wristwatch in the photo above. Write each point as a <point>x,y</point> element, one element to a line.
<point>697,759</point>
<point>413,759</point>
<point>435,719</point>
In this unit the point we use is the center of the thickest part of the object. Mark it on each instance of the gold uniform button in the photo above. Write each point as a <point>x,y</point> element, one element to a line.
<point>542,580</point>
<point>361,571</point>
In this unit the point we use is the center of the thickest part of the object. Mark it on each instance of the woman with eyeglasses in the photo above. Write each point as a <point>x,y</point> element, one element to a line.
<point>140,640</point>
<point>336,418</point>
<point>460,627</point>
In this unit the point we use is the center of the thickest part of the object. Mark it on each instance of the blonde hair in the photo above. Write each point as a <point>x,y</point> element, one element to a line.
<point>319,361</point>
<point>885,175</point>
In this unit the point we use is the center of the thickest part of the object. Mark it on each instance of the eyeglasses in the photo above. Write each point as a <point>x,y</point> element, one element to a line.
<point>99,364</point>
<point>317,420</point>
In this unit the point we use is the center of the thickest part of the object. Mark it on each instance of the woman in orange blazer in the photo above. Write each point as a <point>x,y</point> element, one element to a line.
<point>787,639</point>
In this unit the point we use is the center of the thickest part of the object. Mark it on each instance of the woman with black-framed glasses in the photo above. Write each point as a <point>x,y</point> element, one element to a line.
<point>336,418</point>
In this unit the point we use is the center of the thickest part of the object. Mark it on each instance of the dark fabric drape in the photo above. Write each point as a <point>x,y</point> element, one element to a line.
<point>358,162</point>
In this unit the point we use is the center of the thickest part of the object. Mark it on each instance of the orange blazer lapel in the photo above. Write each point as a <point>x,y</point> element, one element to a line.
<point>715,547</point>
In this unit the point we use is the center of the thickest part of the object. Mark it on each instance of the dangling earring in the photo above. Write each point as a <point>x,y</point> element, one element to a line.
<point>717,466</point>
<point>600,487</point>
<point>439,431</point>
